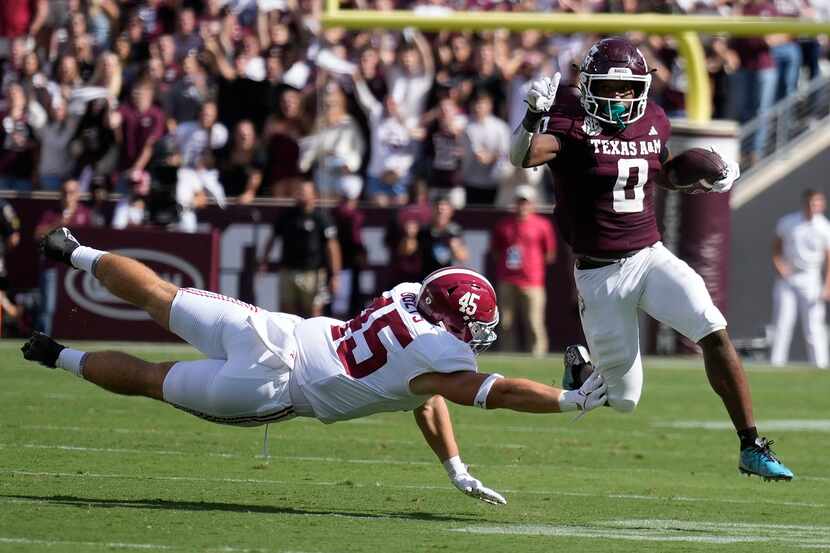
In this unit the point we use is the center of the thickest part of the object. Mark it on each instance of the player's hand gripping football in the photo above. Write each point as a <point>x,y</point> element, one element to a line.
<point>470,485</point>
<point>542,93</point>
<point>728,178</point>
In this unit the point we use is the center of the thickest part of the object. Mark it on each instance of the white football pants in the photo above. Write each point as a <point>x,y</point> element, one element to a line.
<point>232,386</point>
<point>799,294</point>
<point>655,281</point>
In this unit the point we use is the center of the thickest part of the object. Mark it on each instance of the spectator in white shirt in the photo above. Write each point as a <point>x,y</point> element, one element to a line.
<point>196,138</point>
<point>485,163</point>
<point>800,250</point>
<point>336,147</point>
<point>410,80</point>
<point>131,209</point>
<point>393,147</point>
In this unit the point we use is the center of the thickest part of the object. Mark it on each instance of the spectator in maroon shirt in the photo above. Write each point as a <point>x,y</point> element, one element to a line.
<point>22,17</point>
<point>72,214</point>
<point>523,245</point>
<point>283,159</point>
<point>140,126</point>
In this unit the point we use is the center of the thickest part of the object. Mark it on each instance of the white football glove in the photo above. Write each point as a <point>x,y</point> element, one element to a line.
<point>469,484</point>
<point>542,93</point>
<point>733,172</point>
<point>589,396</point>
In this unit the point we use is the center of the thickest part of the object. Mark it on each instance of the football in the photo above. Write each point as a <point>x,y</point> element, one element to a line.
<point>697,166</point>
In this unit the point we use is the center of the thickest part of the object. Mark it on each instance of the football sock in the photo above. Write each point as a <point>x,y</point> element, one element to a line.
<point>85,258</point>
<point>748,436</point>
<point>72,360</point>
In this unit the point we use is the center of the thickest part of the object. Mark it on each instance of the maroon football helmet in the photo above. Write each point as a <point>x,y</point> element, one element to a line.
<point>463,302</point>
<point>614,59</point>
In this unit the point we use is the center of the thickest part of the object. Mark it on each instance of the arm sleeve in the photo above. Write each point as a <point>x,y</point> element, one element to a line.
<point>456,356</point>
<point>442,353</point>
<point>353,148</point>
<point>559,124</point>
<point>367,101</point>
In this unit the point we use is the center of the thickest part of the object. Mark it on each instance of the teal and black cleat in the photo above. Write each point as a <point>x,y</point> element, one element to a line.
<point>576,357</point>
<point>761,461</point>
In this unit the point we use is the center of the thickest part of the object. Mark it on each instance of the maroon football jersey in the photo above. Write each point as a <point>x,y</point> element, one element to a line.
<point>604,179</point>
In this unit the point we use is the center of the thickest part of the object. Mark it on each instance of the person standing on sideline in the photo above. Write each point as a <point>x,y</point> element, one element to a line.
<point>800,249</point>
<point>348,218</point>
<point>311,259</point>
<point>9,239</point>
<point>440,242</point>
<point>72,214</point>
<point>524,244</point>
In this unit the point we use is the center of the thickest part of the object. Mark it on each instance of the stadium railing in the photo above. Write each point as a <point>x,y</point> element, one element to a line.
<point>786,122</point>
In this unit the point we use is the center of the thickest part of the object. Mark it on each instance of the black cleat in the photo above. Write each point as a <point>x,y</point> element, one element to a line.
<point>59,245</point>
<point>43,349</point>
<point>576,357</point>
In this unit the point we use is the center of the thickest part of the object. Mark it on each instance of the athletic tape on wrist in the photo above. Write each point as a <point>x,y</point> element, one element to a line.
<point>454,466</point>
<point>568,401</point>
<point>484,390</point>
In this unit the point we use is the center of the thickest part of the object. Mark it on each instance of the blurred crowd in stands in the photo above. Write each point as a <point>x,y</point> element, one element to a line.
<point>172,103</point>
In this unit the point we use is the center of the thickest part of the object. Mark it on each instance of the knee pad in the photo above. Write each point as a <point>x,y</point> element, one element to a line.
<point>622,405</point>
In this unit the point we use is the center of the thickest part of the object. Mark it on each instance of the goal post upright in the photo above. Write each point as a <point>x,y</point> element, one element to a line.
<point>684,28</point>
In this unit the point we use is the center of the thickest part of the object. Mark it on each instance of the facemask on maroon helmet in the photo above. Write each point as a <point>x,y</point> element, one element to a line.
<point>463,302</point>
<point>614,59</point>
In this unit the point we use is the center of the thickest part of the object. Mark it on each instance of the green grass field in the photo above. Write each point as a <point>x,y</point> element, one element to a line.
<point>85,470</point>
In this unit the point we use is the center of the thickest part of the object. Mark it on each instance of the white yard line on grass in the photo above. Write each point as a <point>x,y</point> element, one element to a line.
<point>145,546</point>
<point>112,545</point>
<point>303,458</point>
<point>329,437</point>
<point>327,459</point>
<point>671,531</point>
<point>807,425</point>
<point>421,487</point>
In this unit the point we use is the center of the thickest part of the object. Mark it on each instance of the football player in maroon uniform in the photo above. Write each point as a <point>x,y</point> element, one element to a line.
<point>607,152</point>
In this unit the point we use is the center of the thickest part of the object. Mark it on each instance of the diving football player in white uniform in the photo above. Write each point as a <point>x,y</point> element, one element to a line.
<point>414,346</point>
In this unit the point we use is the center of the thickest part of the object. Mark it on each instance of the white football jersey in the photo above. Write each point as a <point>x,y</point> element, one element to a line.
<point>364,366</point>
<point>804,242</point>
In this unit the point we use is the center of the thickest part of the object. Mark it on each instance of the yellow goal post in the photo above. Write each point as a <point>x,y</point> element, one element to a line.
<point>684,28</point>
